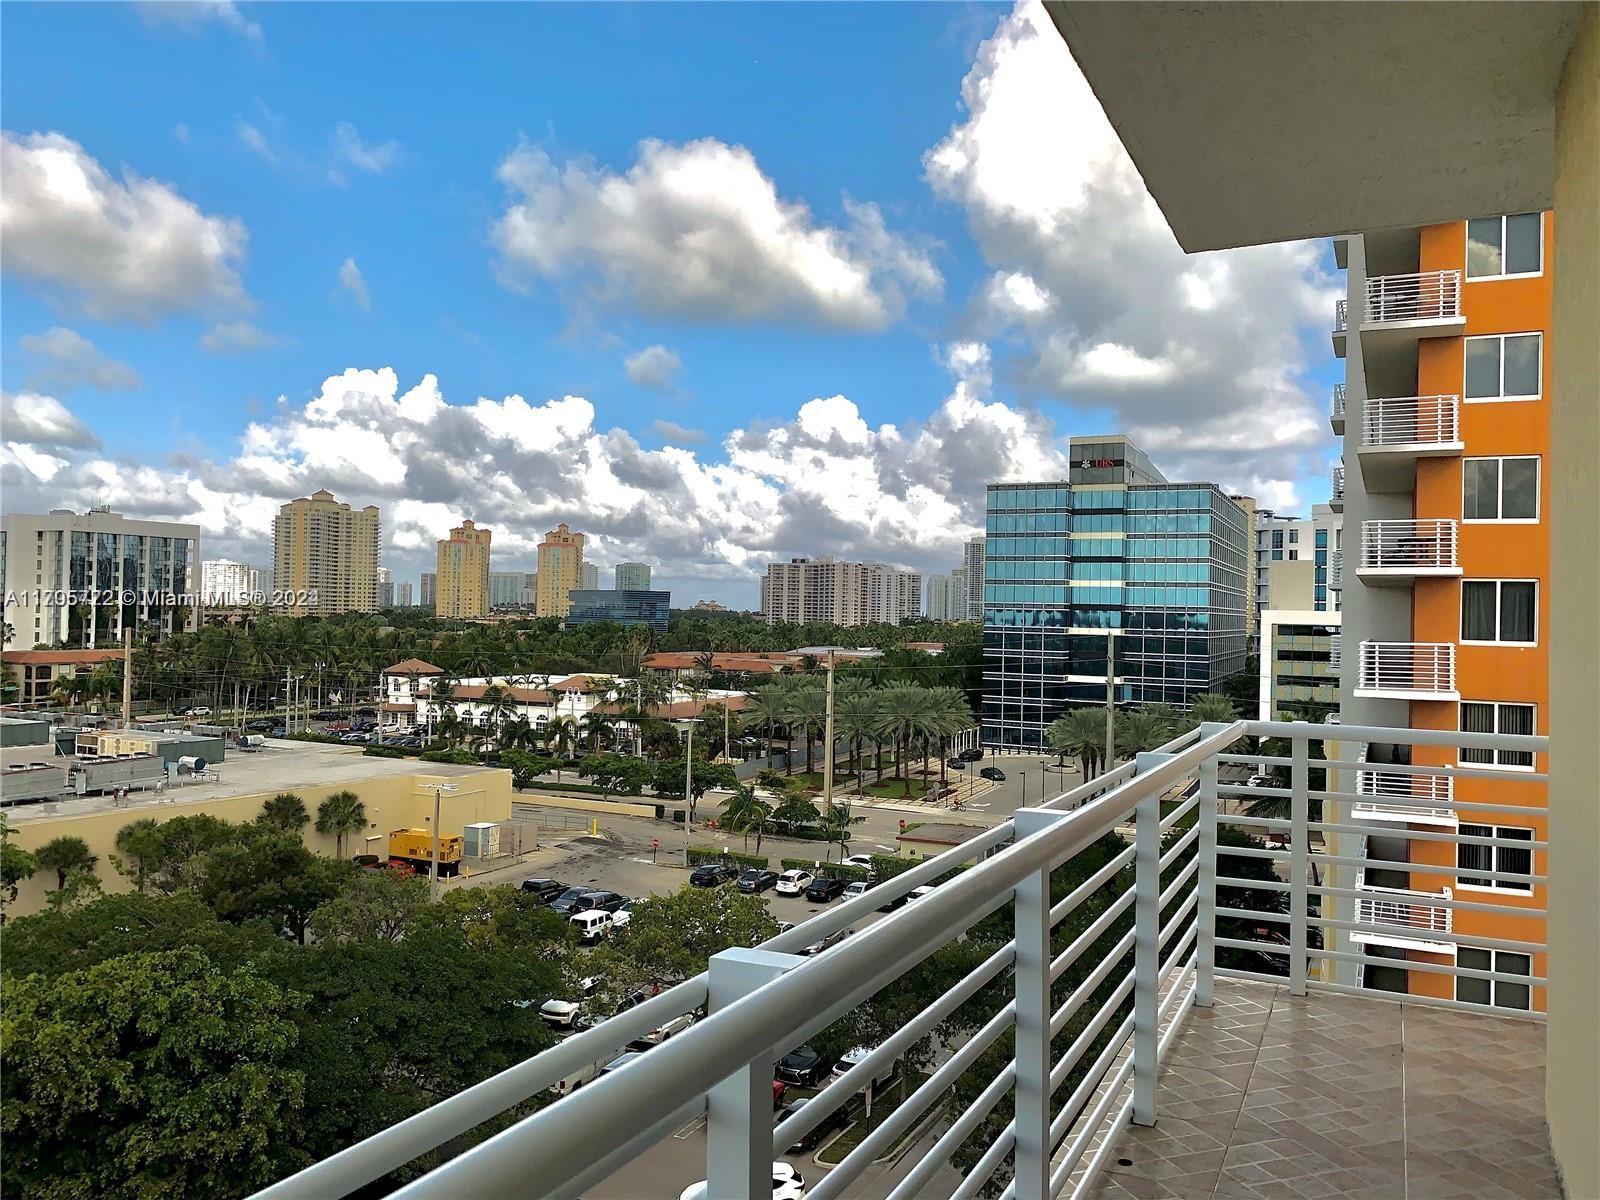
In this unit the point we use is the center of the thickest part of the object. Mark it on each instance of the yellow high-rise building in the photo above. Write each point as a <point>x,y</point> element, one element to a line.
<point>325,555</point>
<point>462,587</point>
<point>560,571</point>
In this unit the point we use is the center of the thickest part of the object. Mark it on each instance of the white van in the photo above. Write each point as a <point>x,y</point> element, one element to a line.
<point>592,924</point>
<point>851,1058</point>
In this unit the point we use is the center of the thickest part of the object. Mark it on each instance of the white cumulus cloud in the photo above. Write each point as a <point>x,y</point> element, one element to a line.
<point>71,360</point>
<point>1103,308</point>
<point>42,422</point>
<point>699,232</point>
<point>654,367</point>
<point>129,249</point>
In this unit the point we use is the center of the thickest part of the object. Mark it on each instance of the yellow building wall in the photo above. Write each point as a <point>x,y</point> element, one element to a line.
<point>392,802</point>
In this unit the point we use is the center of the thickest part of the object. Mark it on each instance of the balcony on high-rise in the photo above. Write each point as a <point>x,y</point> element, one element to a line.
<point>1397,553</point>
<point>1407,671</point>
<point>1404,794</point>
<point>1336,410</point>
<point>1398,430</point>
<point>1336,492</point>
<point>1341,326</point>
<point>1138,983</point>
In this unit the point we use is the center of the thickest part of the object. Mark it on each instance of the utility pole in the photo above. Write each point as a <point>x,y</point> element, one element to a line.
<point>433,884</point>
<point>1111,699</point>
<point>688,789</point>
<point>827,744</point>
<point>127,676</point>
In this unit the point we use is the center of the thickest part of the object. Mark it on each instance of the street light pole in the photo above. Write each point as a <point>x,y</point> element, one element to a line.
<point>433,884</point>
<point>827,749</point>
<point>688,788</point>
<point>1111,699</point>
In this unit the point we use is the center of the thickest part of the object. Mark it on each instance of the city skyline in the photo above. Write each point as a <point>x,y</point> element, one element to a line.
<point>294,355</point>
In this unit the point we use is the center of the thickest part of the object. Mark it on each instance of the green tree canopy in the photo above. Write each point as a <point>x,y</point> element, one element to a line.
<point>64,855</point>
<point>671,937</point>
<point>285,811</point>
<point>372,906</point>
<point>340,814</point>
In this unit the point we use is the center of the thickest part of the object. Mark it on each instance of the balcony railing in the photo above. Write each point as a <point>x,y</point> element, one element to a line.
<point>1341,316</point>
<point>1409,548</point>
<point>1336,410</point>
<point>1407,671</point>
<point>1089,1010</point>
<point>1337,478</point>
<point>1394,421</point>
<point>1425,296</point>
<point>1336,568</point>
<point>1403,918</point>
<point>1407,795</point>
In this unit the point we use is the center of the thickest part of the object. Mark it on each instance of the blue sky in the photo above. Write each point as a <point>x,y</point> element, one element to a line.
<point>414,187</point>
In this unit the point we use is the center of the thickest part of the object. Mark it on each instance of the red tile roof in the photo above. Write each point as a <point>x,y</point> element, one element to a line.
<point>677,711</point>
<point>61,658</point>
<point>413,666</point>
<point>685,660</point>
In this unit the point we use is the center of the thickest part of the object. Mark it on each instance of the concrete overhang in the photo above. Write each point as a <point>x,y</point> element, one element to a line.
<point>1265,122</point>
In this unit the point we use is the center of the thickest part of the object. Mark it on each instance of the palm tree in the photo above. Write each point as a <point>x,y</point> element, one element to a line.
<point>65,855</point>
<point>907,713</point>
<point>836,826</point>
<point>339,814</point>
<point>561,737</point>
<point>949,714</point>
<point>1082,734</point>
<point>596,727</point>
<point>767,709</point>
<point>1141,730</point>
<point>855,718</point>
<point>744,813</point>
<point>285,811</point>
<point>1213,706</point>
<point>806,706</point>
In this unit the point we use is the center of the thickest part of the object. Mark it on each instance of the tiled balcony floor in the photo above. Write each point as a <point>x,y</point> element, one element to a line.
<point>1268,1096</point>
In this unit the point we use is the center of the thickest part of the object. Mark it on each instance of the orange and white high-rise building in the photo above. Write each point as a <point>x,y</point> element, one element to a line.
<point>1445,487</point>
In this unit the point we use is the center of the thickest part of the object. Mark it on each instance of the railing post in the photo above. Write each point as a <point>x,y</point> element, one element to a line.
<point>1299,861</point>
<point>1205,913</point>
<point>1034,1059</point>
<point>1146,956</point>
<point>739,1121</point>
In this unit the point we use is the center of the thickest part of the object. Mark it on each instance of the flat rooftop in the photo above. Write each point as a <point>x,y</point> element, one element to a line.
<point>279,766</point>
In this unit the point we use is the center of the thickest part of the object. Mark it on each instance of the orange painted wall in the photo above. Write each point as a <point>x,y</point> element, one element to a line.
<point>1503,673</point>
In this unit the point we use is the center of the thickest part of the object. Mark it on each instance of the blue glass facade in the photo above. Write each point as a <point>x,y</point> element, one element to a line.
<point>624,607</point>
<point>1161,563</point>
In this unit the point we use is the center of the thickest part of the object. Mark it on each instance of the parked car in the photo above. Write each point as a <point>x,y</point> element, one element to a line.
<point>837,1119</point>
<point>196,710</point>
<point>277,731</point>
<point>892,903</point>
<point>601,899</point>
<point>956,764</point>
<point>564,903</point>
<point>779,1090</point>
<point>918,893</point>
<point>853,1057</point>
<point>827,942</point>
<point>803,1066</point>
<point>864,861</point>
<point>858,888</point>
<point>787,1184</point>
<point>260,724</point>
<point>757,879</point>
<point>623,916</point>
<point>621,1060</point>
<point>825,888</point>
<point>712,875</point>
<point>593,926</point>
<point>366,711</point>
<point>971,754</point>
<point>674,1024</point>
<point>354,739</point>
<point>545,889</point>
<point>563,1014</point>
<point>794,883</point>
<point>993,773</point>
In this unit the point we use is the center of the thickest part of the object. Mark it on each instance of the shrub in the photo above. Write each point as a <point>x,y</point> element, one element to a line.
<point>385,752</point>
<point>459,757</point>
<point>836,870</point>
<point>700,855</point>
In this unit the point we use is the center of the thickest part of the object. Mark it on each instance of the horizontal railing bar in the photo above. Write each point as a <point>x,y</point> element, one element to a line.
<point>1064,1120</point>
<point>1177,814</point>
<point>1178,951</point>
<point>972,1185</point>
<point>1537,743</point>
<point>1253,976</point>
<point>1412,800</point>
<point>926,1167</point>
<point>1095,930</point>
<point>1180,986</point>
<point>1259,852</point>
<point>1058,1178</point>
<point>1471,941</point>
<point>845,1086</point>
<point>1089,886</point>
<point>912,1107</point>
<point>1084,990</point>
<point>1438,901</point>
<point>1436,968</point>
<point>1435,770</point>
<point>1343,989</point>
<point>1179,846</point>
<point>1252,944</point>
<point>1390,864</point>
<point>1246,819</point>
<point>1086,1036</point>
<point>1113,1087</point>
<point>1269,885</point>
<point>1183,877</point>
<point>1253,914</point>
<point>1418,835</point>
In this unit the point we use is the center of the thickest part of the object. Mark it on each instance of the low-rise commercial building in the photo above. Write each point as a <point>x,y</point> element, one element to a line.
<point>599,606</point>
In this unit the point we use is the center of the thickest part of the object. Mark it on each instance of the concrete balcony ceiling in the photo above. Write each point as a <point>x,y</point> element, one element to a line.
<point>1226,111</point>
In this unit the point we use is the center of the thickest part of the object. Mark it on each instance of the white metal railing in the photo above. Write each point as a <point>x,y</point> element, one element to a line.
<point>1405,797</point>
<point>1411,421</point>
<point>1093,1009</point>
<point>1408,545</point>
<point>1335,567</point>
<point>1336,649</point>
<point>1423,296</point>
<point>1338,401</point>
<point>1400,667</point>
<point>1341,316</point>
<point>1337,478</point>
<point>1402,915</point>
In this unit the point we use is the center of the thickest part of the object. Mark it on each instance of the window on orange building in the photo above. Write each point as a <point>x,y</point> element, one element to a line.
<point>1499,992</point>
<point>1487,716</point>
<point>1504,860</point>
<point>1500,489</point>
<point>1508,245</point>
<point>1503,366</point>
<point>1499,610</point>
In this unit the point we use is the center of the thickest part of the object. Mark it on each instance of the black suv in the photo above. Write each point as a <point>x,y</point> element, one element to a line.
<point>712,875</point>
<point>971,754</point>
<point>802,1066</point>
<point>545,889</point>
<point>567,902</point>
<point>757,880</point>
<point>825,888</point>
<point>601,899</point>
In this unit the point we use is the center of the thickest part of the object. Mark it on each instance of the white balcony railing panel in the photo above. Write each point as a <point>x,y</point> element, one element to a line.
<point>1411,545</point>
<point>1422,296</point>
<point>1404,668</point>
<point>1411,421</point>
<point>1404,917</point>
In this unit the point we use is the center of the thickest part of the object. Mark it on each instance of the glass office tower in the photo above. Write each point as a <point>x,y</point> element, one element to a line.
<point>1115,547</point>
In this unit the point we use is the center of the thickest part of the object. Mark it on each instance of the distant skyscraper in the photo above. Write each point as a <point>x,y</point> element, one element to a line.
<point>402,595</point>
<point>633,577</point>
<point>590,574</point>
<point>463,576</point>
<point>430,589</point>
<point>841,593</point>
<point>560,571</point>
<point>385,588</point>
<point>972,564</point>
<point>224,582</point>
<point>509,589</point>
<point>327,548</point>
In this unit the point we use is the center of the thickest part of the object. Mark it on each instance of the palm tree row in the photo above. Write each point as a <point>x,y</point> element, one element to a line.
<point>902,716</point>
<point>1082,732</point>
